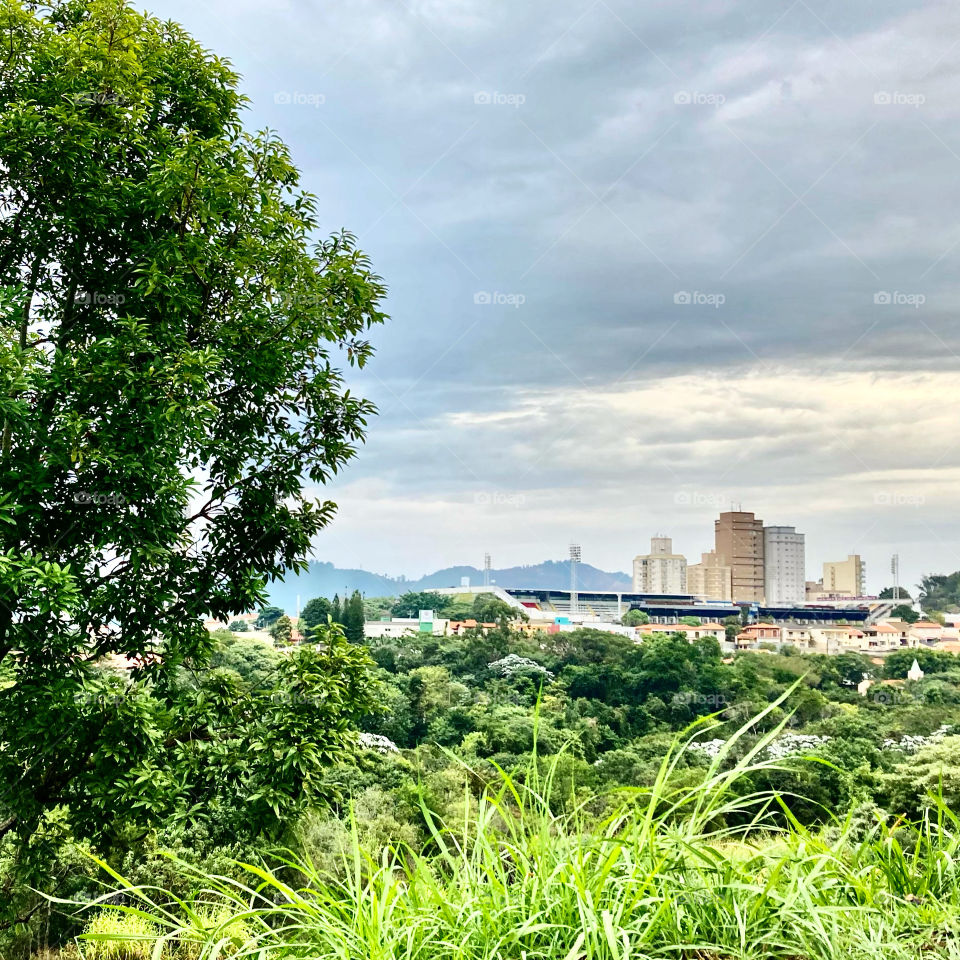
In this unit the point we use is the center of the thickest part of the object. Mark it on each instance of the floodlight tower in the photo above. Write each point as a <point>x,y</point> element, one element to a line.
<point>486,569</point>
<point>895,570</point>
<point>574,561</point>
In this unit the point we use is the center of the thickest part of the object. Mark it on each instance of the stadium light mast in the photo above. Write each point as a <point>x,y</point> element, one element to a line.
<point>895,570</point>
<point>574,561</point>
<point>486,569</point>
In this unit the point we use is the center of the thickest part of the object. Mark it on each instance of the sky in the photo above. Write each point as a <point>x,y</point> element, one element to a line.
<point>646,262</point>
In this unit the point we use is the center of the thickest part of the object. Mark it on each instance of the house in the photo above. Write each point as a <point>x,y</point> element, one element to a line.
<point>756,634</point>
<point>883,636</point>
<point>926,631</point>
<point>458,626</point>
<point>796,635</point>
<point>838,638</point>
<point>715,630</point>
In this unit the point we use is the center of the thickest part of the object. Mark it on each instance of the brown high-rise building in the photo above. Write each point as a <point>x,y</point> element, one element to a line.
<point>739,540</point>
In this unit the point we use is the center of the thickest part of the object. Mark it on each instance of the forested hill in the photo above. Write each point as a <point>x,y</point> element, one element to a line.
<point>324,580</point>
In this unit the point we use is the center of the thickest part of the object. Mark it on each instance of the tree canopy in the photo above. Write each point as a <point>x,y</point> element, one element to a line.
<point>169,340</point>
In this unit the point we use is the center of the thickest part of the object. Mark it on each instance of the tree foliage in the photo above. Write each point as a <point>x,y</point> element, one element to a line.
<point>168,344</point>
<point>410,604</point>
<point>941,593</point>
<point>316,611</point>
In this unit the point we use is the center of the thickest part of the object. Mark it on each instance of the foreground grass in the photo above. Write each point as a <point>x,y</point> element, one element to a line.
<point>663,877</point>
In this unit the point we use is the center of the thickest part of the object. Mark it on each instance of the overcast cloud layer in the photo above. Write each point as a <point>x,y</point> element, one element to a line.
<point>646,262</point>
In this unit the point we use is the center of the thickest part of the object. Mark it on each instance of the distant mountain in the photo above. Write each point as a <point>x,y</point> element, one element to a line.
<point>324,580</point>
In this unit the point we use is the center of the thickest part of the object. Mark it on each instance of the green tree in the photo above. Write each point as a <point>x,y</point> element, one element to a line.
<point>939,592</point>
<point>239,626</point>
<point>410,604</point>
<point>374,608</point>
<point>336,610</point>
<point>282,631</point>
<point>268,617</point>
<point>887,594</point>
<point>316,612</point>
<point>254,660</point>
<point>905,613</point>
<point>168,377</point>
<point>488,608</point>
<point>635,618</point>
<point>353,619</point>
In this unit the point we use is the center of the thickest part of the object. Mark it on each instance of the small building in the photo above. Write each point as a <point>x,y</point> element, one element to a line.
<point>756,634</point>
<point>838,638</point>
<point>915,673</point>
<point>883,637</point>
<point>715,630</point>
<point>402,627</point>
<point>926,631</point>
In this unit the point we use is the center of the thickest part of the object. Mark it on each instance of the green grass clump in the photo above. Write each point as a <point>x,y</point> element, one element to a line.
<point>110,935</point>
<point>210,928</point>
<point>699,872</point>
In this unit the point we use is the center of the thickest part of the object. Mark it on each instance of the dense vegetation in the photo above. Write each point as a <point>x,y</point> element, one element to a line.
<point>700,868</point>
<point>450,715</point>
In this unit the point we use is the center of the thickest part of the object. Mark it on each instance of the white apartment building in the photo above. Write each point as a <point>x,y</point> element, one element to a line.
<point>784,570</point>
<point>661,570</point>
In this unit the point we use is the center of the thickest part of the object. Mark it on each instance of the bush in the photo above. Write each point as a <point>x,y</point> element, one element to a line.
<point>113,935</point>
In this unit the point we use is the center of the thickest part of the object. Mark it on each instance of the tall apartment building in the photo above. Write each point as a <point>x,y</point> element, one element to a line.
<point>739,541</point>
<point>710,578</point>
<point>845,578</point>
<point>661,570</point>
<point>784,566</point>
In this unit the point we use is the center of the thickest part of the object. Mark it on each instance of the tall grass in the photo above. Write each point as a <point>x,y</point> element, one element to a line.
<point>666,875</point>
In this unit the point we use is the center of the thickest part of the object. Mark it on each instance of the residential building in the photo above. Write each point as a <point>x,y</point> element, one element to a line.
<point>784,567</point>
<point>795,635</point>
<point>814,590</point>
<point>758,633</point>
<point>927,631</point>
<point>716,631</point>
<point>739,541</point>
<point>884,637</point>
<point>844,578</point>
<point>837,639</point>
<point>661,570</point>
<point>710,578</point>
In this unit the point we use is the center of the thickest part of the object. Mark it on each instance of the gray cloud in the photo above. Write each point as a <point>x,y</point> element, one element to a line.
<point>790,169</point>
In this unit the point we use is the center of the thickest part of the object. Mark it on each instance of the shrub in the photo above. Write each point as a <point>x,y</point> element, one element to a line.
<point>115,935</point>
